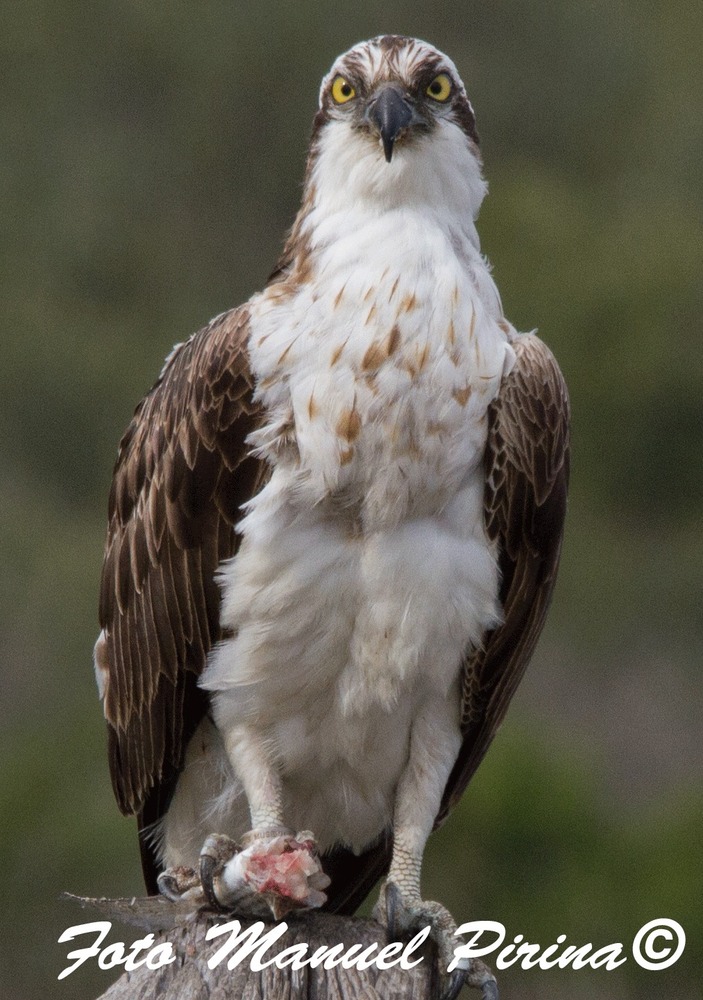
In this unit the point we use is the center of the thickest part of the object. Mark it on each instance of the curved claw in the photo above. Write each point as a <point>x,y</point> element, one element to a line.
<point>480,977</point>
<point>208,869</point>
<point>179,884</point>
<point>216,851</point>
<point>394,904</point>
<point>393,910</point>
<point>490,990</point>
<point>488,987</point>
<point>456,981</point>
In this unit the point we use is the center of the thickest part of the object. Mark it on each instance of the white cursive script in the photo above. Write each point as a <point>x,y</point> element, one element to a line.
<point>608,957</point>
<point>114,954</point>
<point>252,941</point>
<point>657,945</point>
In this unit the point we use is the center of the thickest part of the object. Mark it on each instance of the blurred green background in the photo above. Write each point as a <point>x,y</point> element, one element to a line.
<point>150,162</point>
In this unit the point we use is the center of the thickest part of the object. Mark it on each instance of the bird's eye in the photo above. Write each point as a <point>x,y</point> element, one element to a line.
<point>440,88</point>
<point>342,90</point>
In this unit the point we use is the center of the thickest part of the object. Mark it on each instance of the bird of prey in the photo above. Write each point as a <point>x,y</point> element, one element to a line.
<point>334,528</point>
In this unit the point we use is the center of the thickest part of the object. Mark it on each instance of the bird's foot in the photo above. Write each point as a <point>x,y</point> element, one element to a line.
<point>403,915</point>
<point>272,872</point>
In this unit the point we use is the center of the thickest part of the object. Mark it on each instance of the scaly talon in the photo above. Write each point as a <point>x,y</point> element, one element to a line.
<point>217,850</point>
<point>456,981</point>
<point>403,915</point>
<point>179,883</point>
<point>490,990</point>
<point>275,872</point>
<point>393,903</point>
<point>479,976</point>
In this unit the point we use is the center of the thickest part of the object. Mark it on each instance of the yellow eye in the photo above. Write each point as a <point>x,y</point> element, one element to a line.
<point>342,90</point>
<point>440,88</point>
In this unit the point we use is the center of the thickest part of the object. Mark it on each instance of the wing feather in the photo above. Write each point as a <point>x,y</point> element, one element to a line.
<point>527,470</point>
<point>181,475</point>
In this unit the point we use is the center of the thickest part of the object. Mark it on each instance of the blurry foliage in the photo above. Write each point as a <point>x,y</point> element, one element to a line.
<point>540,850</point>
<point>151,161</point>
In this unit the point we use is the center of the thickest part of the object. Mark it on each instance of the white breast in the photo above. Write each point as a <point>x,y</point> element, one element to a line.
<point>364,570</point>
<point>380,369</point>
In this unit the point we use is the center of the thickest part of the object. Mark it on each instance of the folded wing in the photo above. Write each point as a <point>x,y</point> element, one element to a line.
<point>181,475</point>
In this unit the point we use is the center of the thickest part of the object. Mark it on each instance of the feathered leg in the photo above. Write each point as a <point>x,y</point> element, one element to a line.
<point>434,744</point>
<point>272,870</point>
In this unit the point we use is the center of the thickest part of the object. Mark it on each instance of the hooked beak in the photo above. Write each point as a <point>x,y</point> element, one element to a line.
<point>389,111</point>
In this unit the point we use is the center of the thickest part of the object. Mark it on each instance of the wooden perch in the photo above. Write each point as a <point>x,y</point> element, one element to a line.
<point>190,977</point>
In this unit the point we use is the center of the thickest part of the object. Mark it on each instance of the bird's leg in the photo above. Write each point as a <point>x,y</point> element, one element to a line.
<point>274,870</point>
<point>434,745</point>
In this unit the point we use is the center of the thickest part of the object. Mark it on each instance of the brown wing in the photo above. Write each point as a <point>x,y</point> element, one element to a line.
<point>181,475</point>
<point>527,471</point>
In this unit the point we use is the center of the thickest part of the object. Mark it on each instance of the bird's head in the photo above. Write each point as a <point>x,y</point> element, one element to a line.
<point>395,125</point>
<point>394,90</point>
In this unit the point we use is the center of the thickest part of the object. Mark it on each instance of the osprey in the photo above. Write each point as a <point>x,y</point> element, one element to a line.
<point>334,529</point>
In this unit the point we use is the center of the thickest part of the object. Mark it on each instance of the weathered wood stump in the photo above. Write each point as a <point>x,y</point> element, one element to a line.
<point>191,977</point>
